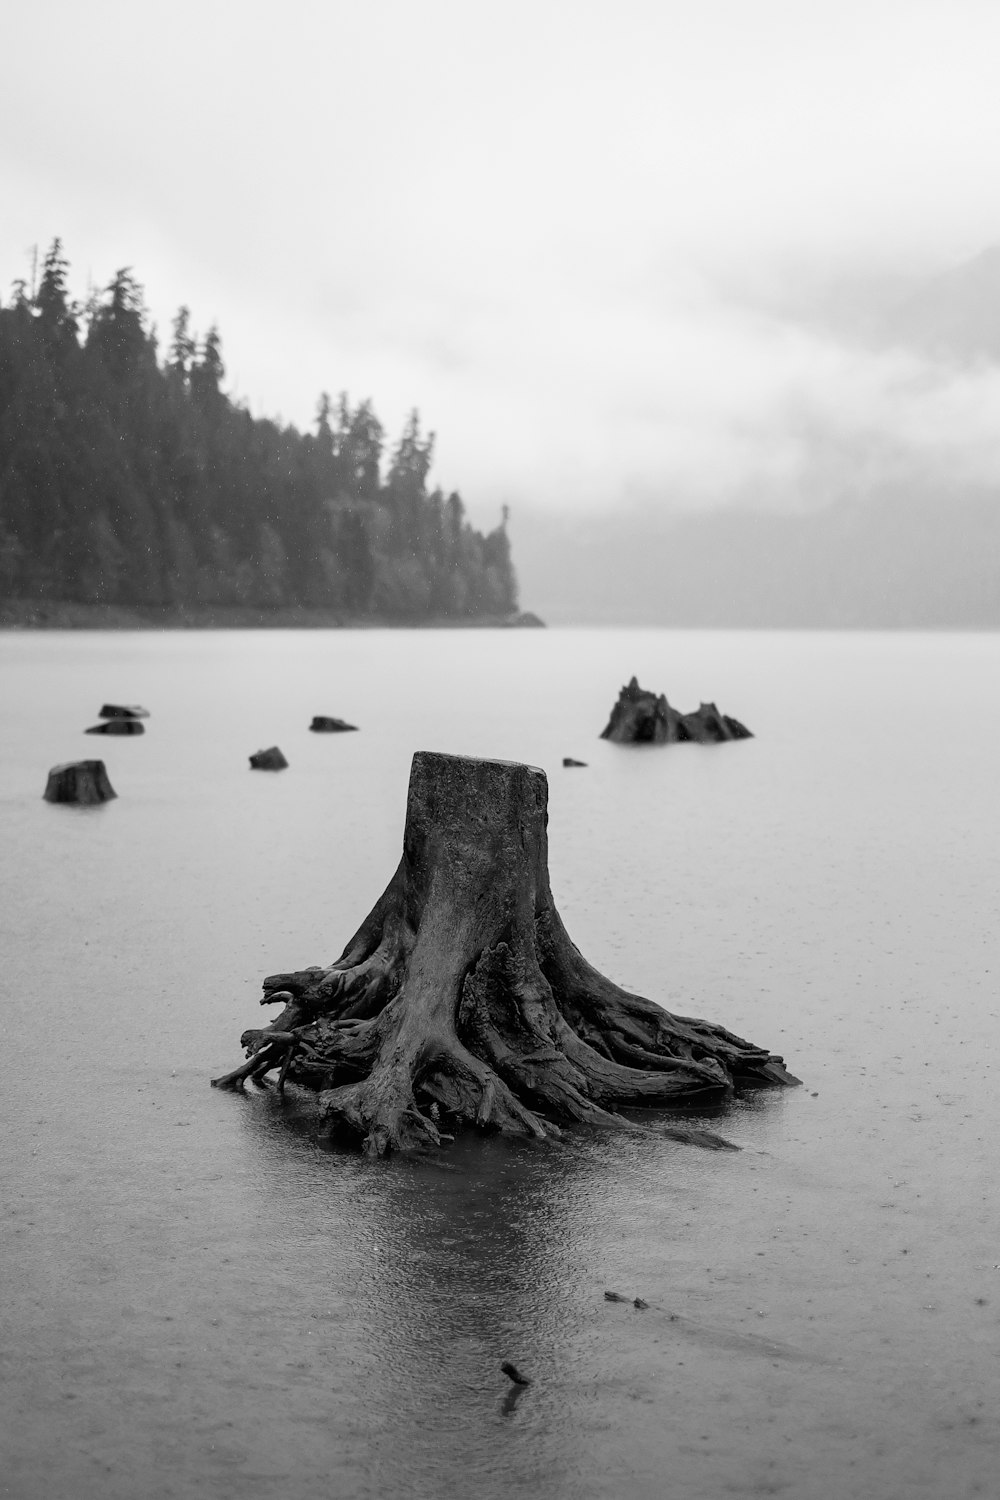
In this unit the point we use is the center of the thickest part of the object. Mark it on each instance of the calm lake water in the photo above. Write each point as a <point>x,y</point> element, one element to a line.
<point>202,1298</point>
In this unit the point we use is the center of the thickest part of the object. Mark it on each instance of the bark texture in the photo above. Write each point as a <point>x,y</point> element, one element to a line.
<point>461,999</point>
<point>641,717</point>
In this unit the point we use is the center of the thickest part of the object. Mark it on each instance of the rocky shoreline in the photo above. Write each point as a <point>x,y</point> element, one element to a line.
<point>57,614</point>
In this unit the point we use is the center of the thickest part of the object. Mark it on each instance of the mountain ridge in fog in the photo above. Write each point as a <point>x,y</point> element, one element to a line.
<point>915,545</point>
<point>951,314</point>
<point>897,562</point>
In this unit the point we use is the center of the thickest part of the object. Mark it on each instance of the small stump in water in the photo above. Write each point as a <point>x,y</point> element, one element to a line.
<point>82,781</point>
<point>118,726</point>
<point>123,711</point>
<point>461,999</point>
<point>642,718</point>
<point>322,724</point>
<point>268,760</point>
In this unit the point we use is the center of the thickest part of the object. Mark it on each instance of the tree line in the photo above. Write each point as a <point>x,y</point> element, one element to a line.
<point>128,478</point>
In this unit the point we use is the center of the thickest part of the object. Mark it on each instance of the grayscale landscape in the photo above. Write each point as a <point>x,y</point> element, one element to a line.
<point>499,566</point>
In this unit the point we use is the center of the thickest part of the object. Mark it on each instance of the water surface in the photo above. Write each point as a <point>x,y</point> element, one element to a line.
<point>202,1297</point>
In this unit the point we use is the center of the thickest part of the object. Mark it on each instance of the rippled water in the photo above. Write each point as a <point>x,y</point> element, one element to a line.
<point>202,1298</point>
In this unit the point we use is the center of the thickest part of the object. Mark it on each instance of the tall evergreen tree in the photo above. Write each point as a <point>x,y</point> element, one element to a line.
<point>125,481</point>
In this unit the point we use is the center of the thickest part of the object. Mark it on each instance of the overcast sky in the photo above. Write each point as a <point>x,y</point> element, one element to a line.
<point>556,227</point>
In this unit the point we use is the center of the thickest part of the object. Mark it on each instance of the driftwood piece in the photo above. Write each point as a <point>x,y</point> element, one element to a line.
<point>643,718</point>
<point>323,724</point>
<point>118,726</point>
<point>268,760</point>
<point>84,782</point>
<point>123,711</point>
<point>462,990</point>
<point>569,761</point>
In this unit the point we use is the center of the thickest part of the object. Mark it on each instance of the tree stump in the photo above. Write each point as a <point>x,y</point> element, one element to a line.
<point>118,726</point>
<point>123,711</point>
<point>643,718</point>
<point>268,760</point>
<point>82,781</point>
<point>461,999</point>
<point>323,724</point>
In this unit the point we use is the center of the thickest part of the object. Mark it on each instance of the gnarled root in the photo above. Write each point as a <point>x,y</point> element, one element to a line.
<point>462,1001</point>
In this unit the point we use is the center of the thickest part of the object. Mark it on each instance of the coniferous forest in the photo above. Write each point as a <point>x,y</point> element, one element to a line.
<point>130,478</point>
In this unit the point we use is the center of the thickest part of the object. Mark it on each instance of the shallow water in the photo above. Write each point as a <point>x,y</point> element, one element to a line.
<point>201,1296</point>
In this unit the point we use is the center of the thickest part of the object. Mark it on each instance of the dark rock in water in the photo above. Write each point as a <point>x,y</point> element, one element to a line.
<point>321,724</point>
<point>569,761</point>
<point>82,781</point>
<point>643,718</point>
<point>123,711</point>
<point>118,726</point>
<point>268,760</point>
<point>708,727</point>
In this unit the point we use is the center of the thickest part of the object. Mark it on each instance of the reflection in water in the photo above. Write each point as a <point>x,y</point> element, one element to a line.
<point>202,1300</point>
<point>494,1252</point>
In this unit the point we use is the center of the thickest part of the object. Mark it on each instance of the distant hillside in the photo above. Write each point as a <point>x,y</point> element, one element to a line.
<point>131,480</point>
<point>952,316</point>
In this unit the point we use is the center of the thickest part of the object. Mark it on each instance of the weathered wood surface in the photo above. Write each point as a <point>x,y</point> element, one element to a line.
<point>462,1001</point>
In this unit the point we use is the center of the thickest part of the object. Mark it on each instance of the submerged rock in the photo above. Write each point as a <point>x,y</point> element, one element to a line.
<point>82,781</point>
<point>641,717</point>
<point>118,726</point>
<point>123,711</point>
<point>322,724</point>
<point>569,761</point>
<point>268,760</point>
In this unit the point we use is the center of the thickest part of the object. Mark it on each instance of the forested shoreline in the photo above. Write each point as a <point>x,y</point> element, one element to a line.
<point>132,482</point>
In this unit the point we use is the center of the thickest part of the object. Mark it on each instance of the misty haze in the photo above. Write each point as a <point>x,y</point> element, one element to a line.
<point>499,524</point>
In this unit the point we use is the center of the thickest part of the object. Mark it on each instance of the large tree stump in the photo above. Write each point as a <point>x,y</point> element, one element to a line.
<point>643,718</point>
<point>462,1000</point>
